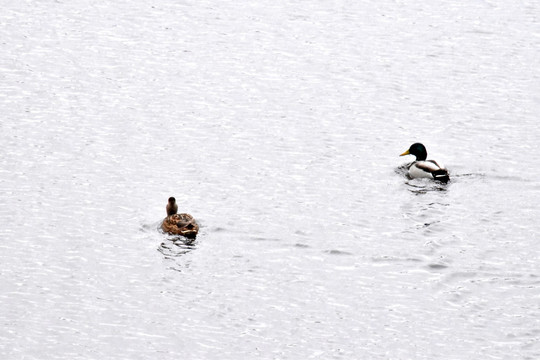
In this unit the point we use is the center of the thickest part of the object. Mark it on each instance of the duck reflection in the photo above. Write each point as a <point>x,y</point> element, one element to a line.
<point>176,246</point>
<point>421,186</point>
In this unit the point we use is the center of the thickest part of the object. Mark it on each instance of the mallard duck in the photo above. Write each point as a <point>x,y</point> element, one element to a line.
<point>179,224</point>
<point>422,168</point>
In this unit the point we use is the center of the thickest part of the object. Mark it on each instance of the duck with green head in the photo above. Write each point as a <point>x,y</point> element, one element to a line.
<point>423,168</point>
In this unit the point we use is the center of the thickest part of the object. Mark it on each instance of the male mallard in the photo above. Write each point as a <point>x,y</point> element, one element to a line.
<point>179,224</point>
<point>422,168</point>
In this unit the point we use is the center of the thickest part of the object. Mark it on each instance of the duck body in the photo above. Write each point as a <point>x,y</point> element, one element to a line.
<point>180,224</point>
<point>422,168</point>
<point>428,169</point>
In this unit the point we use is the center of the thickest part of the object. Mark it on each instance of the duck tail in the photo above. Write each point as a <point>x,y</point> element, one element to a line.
<point>441,175</point>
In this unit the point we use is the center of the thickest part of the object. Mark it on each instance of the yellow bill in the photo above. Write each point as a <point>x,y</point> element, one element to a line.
<point>405,153</point>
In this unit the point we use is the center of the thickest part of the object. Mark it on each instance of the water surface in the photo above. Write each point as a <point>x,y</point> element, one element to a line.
<point>278,126</point>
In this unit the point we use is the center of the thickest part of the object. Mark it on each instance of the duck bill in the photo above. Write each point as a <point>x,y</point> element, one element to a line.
<point>405,153</point>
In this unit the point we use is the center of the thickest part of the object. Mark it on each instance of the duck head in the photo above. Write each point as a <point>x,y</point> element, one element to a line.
<point>417,150</point>
<point>172,208</point>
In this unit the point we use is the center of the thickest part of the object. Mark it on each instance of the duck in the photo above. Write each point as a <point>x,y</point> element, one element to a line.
<point>179,224</point>
<point>422,168</point>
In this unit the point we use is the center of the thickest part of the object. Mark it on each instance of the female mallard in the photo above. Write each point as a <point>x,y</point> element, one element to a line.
<point>422,168</point>
<point>179,224</point>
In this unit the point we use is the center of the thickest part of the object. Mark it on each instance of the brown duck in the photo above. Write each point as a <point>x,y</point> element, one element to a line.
<point>179,224</point>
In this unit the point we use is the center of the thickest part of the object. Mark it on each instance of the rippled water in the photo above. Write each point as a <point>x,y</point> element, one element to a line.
<point>278,126</point>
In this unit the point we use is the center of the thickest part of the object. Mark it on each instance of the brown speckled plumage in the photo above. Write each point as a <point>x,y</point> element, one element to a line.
<point>180,224</point>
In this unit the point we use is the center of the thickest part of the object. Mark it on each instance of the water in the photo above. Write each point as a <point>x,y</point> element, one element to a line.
<point>278,126</point>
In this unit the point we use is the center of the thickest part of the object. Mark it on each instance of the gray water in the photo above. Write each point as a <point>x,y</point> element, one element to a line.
<point>278,126</point>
